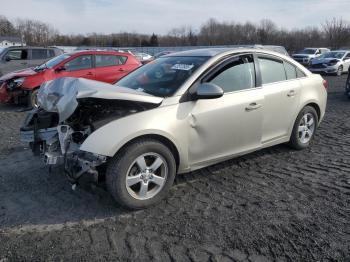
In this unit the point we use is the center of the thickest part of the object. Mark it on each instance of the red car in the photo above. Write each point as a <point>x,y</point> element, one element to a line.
<point>105,66</point>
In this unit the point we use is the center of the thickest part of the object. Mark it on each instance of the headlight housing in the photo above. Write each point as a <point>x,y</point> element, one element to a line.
<point>332,63</point>
<point>15,83</point>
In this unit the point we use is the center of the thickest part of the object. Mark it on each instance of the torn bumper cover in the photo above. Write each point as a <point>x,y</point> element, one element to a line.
<point>70,109</point>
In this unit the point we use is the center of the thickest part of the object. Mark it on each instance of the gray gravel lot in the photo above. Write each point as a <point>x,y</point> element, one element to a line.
<point>273,205</point>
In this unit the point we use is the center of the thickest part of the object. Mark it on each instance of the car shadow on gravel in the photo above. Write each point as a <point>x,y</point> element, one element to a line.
<point>31,195</point>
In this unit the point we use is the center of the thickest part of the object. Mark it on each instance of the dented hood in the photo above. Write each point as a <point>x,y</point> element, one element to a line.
<point>61,95</point>
<point>19,73</point>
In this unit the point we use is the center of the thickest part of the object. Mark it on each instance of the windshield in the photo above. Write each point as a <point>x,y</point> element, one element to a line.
<point>164,76</point>
<point>308,51</point>
<point>338,55</point>
<point>52,62</point>
<point>1,49</point>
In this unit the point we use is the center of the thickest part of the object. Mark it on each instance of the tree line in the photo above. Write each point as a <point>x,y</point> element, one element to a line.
<point>334,33</point>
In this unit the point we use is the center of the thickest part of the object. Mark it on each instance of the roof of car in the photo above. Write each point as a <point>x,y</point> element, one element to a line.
<point>91,52</point>
<point>211,52</point>
<point>30,47</point>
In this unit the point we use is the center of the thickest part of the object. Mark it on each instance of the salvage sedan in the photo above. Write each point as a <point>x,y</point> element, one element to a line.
<point>334,62</point>
<point>179,113</point>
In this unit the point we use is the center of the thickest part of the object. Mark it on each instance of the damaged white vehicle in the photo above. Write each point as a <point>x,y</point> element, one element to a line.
<point>181,112</point>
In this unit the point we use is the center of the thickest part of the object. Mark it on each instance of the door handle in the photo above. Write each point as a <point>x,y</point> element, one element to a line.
<point>89,74</point>
<point>121,70</point>
<point>252,106</point>
<point>24,63</point>
<point>291,93</point>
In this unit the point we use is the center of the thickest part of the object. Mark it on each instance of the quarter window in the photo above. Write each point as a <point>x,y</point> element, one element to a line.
<point>237,75</point>
<point>79,63</point>
<point>300,73</point>
<point>272,70</point>
<point>290,71</point>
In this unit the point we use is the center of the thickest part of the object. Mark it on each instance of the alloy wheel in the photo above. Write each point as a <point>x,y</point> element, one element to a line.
<point>306,128</point>
<point>146,176</point>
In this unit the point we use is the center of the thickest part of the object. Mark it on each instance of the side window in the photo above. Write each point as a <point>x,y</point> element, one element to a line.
<point>106,60</point>
<point>79,63</point>
<point>300,73</point>
<point>39,54</point>
<point>51,53</point>
<point>291,71</point>
<point>17,54</point>
<point>272,70</point>
<point>347,56</point>
<point>237,75</point>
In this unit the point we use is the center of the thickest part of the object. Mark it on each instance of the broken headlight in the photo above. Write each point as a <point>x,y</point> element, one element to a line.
<point>16,83</point>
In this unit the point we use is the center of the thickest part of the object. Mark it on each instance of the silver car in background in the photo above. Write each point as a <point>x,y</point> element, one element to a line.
<point>21,57</point>
<point>334,62</point>
<point>182,112</point>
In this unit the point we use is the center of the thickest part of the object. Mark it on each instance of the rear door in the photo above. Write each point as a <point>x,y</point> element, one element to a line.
<point>15,59</point>
<point>110,68</point>
<point>79,66</point>
<point>282,93</point>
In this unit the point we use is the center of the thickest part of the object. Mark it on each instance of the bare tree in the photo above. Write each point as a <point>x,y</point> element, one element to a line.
<point>337,32</point>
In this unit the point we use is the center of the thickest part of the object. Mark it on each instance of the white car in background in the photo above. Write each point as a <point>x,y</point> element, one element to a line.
<point>143,56</point>
<point>305,56</point>
<point>334,62</point>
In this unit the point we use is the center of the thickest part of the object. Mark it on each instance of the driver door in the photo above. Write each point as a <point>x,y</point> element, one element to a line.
<point>232,124</point>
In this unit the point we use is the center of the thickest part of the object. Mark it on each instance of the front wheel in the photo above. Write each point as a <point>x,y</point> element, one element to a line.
<point>141,174</point>
<point>304,128</point>
<point>339,71</point>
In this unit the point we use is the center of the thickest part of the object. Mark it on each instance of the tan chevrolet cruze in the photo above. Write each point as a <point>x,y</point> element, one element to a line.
<point>179,113</point>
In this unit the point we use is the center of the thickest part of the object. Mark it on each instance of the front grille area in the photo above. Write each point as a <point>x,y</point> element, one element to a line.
<point>318,66</point>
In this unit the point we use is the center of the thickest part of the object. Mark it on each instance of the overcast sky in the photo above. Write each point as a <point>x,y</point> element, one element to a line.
<point>159,16</point>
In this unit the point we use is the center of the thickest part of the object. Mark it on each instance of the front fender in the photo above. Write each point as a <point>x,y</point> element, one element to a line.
<point>164,121</point>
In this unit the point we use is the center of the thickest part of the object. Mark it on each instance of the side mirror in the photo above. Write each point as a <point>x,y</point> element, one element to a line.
<point>60,68</point>
<point>207,91</point>
<point>8,59</point>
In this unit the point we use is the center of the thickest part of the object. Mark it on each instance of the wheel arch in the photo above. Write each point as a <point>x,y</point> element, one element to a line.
<point>164,140</point>
<point>317,108</point>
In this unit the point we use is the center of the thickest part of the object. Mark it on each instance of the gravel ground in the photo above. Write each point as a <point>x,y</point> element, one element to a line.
<point>273,205</point>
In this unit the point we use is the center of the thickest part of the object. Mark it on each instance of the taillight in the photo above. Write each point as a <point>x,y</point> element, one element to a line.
<point>325,83</point>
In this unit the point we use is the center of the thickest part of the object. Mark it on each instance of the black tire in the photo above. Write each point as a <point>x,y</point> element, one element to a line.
<point>119,165</point>
<point>32,100</point>
<point>340,71</point>
<point>295,141</point>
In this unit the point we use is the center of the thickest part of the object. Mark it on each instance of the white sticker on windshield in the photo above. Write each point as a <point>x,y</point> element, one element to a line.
<point>182,67</point>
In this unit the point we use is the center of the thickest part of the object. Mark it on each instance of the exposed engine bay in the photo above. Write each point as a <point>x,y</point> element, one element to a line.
<point>66,117</point>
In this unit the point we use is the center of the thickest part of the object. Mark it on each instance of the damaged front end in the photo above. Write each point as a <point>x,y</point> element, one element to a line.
<point>11,90</point>
<point>69,111</point>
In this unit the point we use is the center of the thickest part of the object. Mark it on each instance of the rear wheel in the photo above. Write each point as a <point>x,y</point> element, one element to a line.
<point>141,174</point>
<point>304,128</point>
<point>32,98</point>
